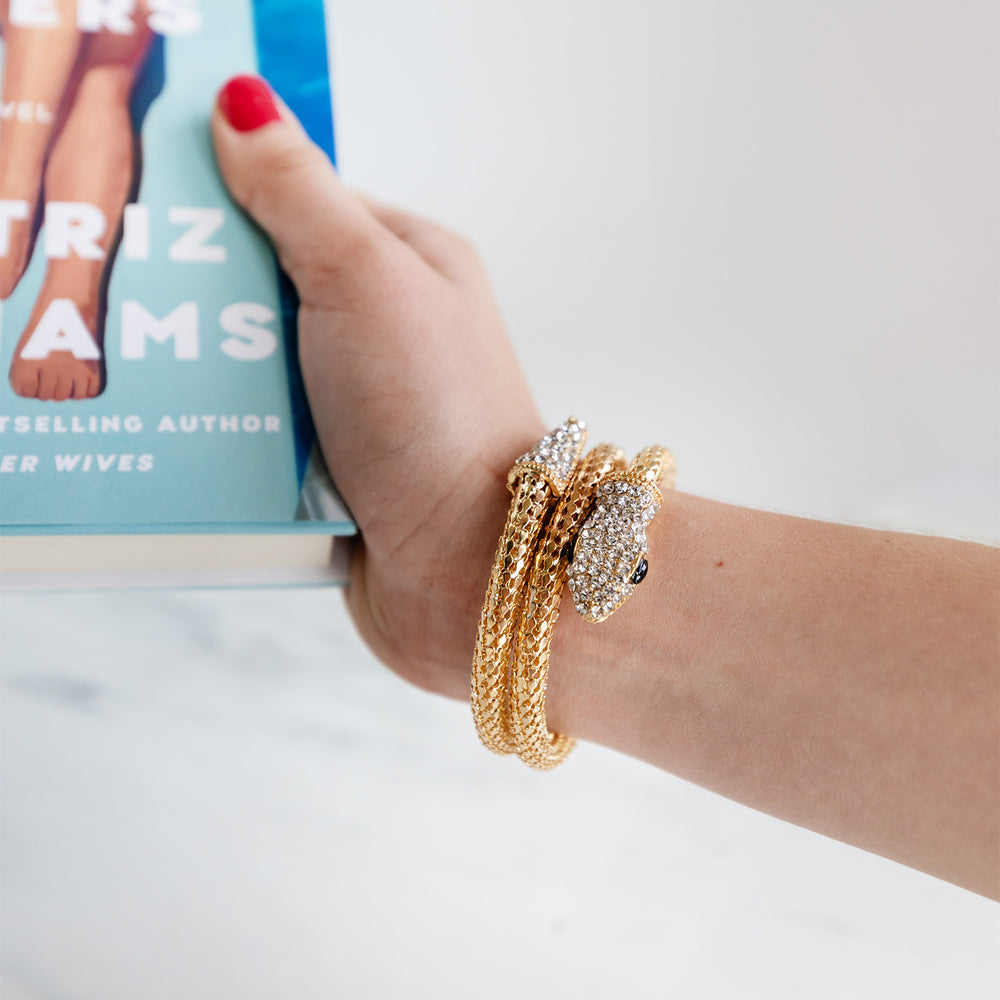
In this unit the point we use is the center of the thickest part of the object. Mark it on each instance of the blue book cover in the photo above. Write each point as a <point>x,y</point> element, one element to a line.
<point>147,343</point>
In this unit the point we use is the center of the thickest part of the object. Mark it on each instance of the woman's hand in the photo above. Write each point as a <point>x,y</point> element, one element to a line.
<point>420,405</point>
<point>840,678</point>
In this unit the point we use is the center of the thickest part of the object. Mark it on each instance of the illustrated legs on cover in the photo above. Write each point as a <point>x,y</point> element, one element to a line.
<point>38,65</point>
<point>87,160</point>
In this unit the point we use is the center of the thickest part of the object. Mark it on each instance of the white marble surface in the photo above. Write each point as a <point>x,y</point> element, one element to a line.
<point>219,795</point>
<point>785,217</point>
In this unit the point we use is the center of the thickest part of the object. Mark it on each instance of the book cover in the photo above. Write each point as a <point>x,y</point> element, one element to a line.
<point>147,343</point>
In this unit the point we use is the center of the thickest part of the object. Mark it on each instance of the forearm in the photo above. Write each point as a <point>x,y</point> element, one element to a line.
<point>844,679</point>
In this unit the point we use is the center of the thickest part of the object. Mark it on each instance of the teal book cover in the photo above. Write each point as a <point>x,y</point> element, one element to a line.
<point>148,371</point>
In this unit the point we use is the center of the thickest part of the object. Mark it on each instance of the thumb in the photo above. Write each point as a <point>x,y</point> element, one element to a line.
<point>325,237</point>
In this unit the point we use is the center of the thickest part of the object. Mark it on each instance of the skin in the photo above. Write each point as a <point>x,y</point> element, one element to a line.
<point>86,154</point>
<point>38,66</point>
<point>840,678</point>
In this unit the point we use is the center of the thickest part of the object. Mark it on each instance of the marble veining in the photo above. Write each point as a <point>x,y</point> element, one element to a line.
<point>182,816</point>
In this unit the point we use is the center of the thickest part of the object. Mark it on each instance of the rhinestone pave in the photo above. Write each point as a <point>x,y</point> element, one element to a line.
<point>537,479</point>
<point>611,547</point>
<point>555,456</point>
<point>534,743</point>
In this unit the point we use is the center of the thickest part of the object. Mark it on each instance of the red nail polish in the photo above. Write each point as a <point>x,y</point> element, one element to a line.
<point>247,103</point>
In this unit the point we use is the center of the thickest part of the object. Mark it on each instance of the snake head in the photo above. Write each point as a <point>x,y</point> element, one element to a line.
<point>609,557</point>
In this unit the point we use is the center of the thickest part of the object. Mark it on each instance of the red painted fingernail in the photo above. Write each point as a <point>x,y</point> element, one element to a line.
<point>247,103</point>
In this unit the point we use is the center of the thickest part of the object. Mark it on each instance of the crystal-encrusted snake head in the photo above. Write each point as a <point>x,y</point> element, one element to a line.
<point>554,457</point>
<point>609,558</point>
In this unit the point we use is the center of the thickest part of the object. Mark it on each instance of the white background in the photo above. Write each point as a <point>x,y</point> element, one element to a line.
<point>763,233</point>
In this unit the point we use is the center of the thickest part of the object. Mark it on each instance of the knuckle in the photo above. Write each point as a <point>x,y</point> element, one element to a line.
<point>279,169</point>
<point>465,248</point>
<point>460,246</point>
<point>467,262</point>
<point>324,269</point>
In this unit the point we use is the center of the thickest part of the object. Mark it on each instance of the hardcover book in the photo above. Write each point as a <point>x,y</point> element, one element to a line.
<point>153,425</point>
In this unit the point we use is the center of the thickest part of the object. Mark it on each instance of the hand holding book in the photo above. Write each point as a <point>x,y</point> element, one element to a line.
<point>840,678</point>
<point>417,396</point>
<point>153,425</point>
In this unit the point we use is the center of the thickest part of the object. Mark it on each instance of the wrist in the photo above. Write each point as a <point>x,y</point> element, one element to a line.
<point>602,506</point>
<point>418,600</point>
<point>601,687</point>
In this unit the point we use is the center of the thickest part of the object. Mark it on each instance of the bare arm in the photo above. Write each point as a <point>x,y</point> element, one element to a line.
<point>843,679</point>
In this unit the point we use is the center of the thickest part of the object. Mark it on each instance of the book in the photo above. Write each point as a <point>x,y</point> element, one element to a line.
<point>153,422</point>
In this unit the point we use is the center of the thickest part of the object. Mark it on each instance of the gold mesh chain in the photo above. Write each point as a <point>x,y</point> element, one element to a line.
<point>491,664</point>
<point>510,666</point>
<point>538,478</point>
<point>531,738</point>
<point>655,465</point>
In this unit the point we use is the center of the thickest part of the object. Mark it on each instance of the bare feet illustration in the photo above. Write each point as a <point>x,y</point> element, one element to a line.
<point>60,374</point>
<point>68,138</point>
<point>36,74</point>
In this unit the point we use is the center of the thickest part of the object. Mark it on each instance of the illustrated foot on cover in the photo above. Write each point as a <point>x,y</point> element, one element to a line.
<point>59,354</point>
